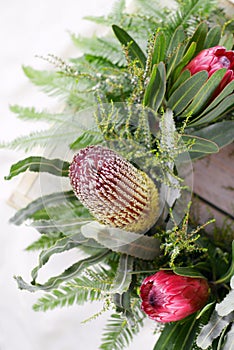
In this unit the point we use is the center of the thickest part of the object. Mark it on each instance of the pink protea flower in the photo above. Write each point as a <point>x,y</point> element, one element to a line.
<point>167,297</point>
<point>211,60</point>
<point>115,192</point>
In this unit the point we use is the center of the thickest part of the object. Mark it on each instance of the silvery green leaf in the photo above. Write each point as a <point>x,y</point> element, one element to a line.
<point>72,271</point>
<point>123,276</point>
<point>121,241</point>
<point>227,304</point>
<point>213,329</point>
<point>229,341</point>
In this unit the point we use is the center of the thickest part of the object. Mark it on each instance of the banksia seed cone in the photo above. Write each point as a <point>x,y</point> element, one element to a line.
<point>114,191</point>
<point>211,60</point>
<point>167,297</point>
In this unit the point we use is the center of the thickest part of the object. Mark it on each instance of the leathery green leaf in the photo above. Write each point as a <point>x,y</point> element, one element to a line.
<point>156,87</point>
<point>206,92</point>
<point>73,271</point>
<point>185,93</point>
<point>39,164</point>
<point>125,39</point>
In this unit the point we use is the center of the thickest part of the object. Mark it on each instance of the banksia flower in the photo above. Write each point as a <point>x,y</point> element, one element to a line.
<point>167,297</point>
<point>211,60</point>
<point>114,191</point>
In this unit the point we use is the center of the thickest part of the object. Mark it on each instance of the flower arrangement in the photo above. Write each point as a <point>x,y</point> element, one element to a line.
<point>134,120</point>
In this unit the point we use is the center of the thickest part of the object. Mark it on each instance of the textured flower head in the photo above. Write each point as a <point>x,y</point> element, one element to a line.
<point>115,192</point>
<point>211,60</point>
<point>167,297</point>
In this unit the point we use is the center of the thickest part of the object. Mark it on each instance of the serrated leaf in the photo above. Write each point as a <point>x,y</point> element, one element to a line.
<point>182,96</point>
<point>125,39</point>
<point>67,226</point>
<point>69,273</point>
<point>41,202</point>
<point>213,329</point>
<point>60,246</point>
<point>229,341</point>
<point>87,138</point>
<point>156,87</point>
<point>213,37</point>
<point>216,113</point>
<point>121,241</point>
<point>206,92</point>
<point>199,37</point>
<point>227,304</point>
<point>56,167</point>
<point>178,335</point>
<point>159,48</point>
<point>123,276</point>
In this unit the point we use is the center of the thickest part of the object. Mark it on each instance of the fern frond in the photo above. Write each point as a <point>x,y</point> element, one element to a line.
<point>189,14</point>
<point>118,334</point>
<point>45,242</point>
<point>91,286</point>
<point>115,15</point>
<point>30,114</point>
<point>106,47</point>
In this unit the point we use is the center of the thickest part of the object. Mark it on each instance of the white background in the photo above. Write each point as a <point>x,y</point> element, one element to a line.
<point>30,28</point>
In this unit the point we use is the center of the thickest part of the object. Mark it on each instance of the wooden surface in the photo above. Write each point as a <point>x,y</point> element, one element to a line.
<point>214,187</point>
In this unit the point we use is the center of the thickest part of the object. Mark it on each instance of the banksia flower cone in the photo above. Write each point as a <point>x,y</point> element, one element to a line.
<point>211,60</point>
<point>114,191</point>
<point>167,297</point>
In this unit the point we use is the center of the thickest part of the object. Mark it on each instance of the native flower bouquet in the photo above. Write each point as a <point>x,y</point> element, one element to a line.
<point>135,117</point>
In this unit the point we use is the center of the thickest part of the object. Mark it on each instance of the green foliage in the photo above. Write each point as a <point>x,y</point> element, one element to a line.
<point>39,164</point>
<point>150,110</point>
<point>90,286</point>
<point>118,333</point>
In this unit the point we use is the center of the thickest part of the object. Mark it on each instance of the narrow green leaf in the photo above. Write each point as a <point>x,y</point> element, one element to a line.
<point>125,39</point>
<point>222,133</point>
<point>182,96</point>
<point>224,93</point>
<point>198,146</point>
<point>60,246</point>
<point>174,59</point>
<point>177,335</point>
<point>177,38</point>
<point>213,329</point>
<point>41,202</point>
<point>159,48</point>
<point>188,272</point>
<point>227,41</point>
<point>123,276</point>
<point>121,241</point>
<point>216,113</point>
<point>69,273</point>
<point>122,301</point>
<point>87,138</point>
<point>56,167</point>
<point>199,37</point>
<point>213,37</point>
<point>181,79</point>
<point>185,59</point>
<point>156,87</point>
<point>205,93</point>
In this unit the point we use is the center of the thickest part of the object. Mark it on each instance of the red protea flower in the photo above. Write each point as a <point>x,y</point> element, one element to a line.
<point>167,297</point>
<point>115,192</point>
<point>211,60</point>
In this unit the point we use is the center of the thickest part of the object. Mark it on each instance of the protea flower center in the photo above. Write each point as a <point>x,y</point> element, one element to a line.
<point>115,192</point>
<point>167,297</point>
